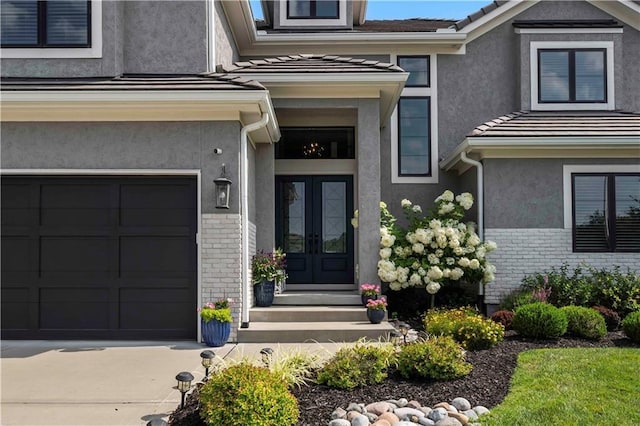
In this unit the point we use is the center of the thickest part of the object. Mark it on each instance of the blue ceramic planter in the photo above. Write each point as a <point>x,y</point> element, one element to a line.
<point>264,292</point>
<point>375,315</point>
<point>215,333</point>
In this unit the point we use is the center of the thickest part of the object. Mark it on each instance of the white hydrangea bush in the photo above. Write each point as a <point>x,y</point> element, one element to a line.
<point>435,249</point>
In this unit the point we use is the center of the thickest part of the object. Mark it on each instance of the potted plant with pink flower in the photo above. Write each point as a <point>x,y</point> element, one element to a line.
<point>369,291</point>
<point>216,322</point>
<point>376,309</point>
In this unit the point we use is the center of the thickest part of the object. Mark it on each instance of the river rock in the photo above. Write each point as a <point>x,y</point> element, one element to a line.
<point>339,422</point>
<point>352,415</point>
<point>471,414</point>
<point>437,414</point>
<point>449,421</point>
<point>426,422</point>
<point>379,407</point>
<point>402,402</point>
<point>460,417</point>
<point>414,404</point>
<point>461,404</point>
<point>444,405</point>
<point>407,411</point>
<point>480,410</point>
<point>382,422</point>
<point>390,417</point>
<point>339,413</point>
<point>405,423</point>
<point>425,410</point>
<point>360,420</point>
<point>355,407</point>
<point>372,417</point>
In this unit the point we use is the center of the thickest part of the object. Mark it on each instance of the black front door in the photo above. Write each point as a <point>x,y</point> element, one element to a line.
<point>313,228</point>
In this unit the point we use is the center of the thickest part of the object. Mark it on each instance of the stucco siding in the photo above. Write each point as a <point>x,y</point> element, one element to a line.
<point>128,145</point>
<point>165,37</point>
<point>528,193</point>
<point>523,252</point>
<point>226,50</point>
<point>629,98</point>
<point>110,64</point>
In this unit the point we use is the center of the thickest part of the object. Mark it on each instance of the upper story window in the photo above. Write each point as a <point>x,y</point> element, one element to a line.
<point>316,143</point>
<point>45,24</point>
<point>413,137</point>
<point>313,9</point>
<point>572,75</point>
<point>606,212</point>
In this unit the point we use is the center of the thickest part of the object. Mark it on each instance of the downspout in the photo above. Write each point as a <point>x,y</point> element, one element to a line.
<point>480,204</point>
<point>244,212</point>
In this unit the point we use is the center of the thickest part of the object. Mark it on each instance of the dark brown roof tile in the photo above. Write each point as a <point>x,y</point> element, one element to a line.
<point>306,63</point>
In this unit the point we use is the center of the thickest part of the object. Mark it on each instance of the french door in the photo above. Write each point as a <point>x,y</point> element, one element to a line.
<point>313,228</point>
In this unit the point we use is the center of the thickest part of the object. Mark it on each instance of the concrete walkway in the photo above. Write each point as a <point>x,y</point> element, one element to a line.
<point>106,383</point>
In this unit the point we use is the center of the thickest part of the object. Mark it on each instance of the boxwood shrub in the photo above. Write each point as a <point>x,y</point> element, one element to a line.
<point>540,321</point>
<point>631,326</point>
<point>585,322</point>
<point>466,326</point>
<point>438,358</point>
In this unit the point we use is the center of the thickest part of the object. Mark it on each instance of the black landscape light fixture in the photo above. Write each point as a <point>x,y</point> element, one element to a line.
<point>222,190</point>
<point>184,379</point>
<point>157,422</point>
<point>266,356</point>
<point>396,338</point>
<point>404,330</point>
<point>207,359</point>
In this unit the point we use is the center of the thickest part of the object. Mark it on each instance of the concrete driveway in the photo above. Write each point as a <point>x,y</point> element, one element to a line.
<point>104,383</point>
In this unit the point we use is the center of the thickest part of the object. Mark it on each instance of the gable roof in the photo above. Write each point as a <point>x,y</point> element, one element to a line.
<point>561,134</point>
<point>485,10</point>
<point>311,64</point>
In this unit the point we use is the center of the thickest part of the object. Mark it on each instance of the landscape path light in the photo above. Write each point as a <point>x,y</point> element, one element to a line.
<point>184,379</point>
<point>396,337</point>
<point>207,359</point>
<point>266,356</point>
<point>404,330</point>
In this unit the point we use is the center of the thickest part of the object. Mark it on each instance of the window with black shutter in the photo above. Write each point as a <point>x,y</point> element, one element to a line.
<point>606,212</point>
<point>52,23</point>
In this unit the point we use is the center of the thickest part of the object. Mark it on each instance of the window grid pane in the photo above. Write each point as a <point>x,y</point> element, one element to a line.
<point>627,213</point>
<point>67,22</point>
<point>554,76</point>
<point>418,69</point>
<point>19,23</point>
<point>590,76</point>
<point>590,203</point>
<point>572,75</point>
<point>413,128</point>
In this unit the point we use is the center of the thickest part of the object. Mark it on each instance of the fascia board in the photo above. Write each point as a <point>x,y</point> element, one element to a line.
<point>301,79</point>
<point>543,147</point>
<point>315,39</point>
<point>495,18</point>
<point>624,10</point>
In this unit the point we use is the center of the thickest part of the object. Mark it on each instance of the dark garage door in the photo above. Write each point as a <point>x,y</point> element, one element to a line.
<point>98,258</point>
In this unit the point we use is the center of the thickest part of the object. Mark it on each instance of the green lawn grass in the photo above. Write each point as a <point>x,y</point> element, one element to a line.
<point>578,386</point>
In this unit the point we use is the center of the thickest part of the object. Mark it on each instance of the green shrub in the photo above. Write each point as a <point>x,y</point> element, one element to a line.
<point>295,366</point>
<point>244,394</point>
<point>616,290</point>
<point>466,326</point>
<point>503,317</point>
<point>631,326</point>
<point>566,288</point>
<point>540,320</point>
<point>611,317</point>
<point>358,365</point>
<point>438,358</point>
<point>584,322</point>
<point>517,297</point>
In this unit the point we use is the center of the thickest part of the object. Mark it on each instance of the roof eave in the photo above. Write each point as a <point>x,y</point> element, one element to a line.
<point>605,146</point>
<point>142,105</point>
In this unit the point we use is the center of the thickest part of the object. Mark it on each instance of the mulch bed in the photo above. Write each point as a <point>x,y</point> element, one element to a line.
<point>487,384</point>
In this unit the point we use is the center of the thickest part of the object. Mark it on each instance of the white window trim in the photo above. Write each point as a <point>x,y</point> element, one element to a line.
<point>568,170</point>
<point>537,45</point>
<point>293,22</point>
<point>431,92</point>
<point>95,51</point>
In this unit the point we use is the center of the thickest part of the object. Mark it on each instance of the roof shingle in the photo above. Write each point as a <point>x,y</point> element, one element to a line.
<point>311,64</point>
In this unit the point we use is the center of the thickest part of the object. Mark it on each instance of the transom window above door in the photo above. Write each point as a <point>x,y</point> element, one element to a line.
<point>316,143</point>
<point>45,24</point>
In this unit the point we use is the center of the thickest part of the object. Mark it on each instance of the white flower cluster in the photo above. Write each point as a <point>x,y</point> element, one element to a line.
<point>436,251</point>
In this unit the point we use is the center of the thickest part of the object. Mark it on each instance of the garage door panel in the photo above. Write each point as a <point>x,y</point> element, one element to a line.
<point>76,205</point>
<point>15,259</point>
<point>15,307</point>
<point>156,308</point>
<point>148,257</point>
<point>98,257</point>
<point>74,257</point>
<point>74,308</point>
<point>153,205</point>
<point>16,206</point>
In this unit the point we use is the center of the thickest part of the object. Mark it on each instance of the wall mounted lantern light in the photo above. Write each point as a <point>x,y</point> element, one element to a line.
<point>223,186</point>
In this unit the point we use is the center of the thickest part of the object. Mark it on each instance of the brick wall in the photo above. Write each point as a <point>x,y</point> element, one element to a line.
<point>525,251</point>
<point>221,260</point>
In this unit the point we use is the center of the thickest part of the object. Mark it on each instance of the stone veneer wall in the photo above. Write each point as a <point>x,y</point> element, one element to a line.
<point>221,260</point>
<point>526,251</point>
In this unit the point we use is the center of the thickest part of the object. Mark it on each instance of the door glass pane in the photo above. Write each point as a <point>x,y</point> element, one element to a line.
<point>628,213</point>
<point>293,215</point>
<point>590,76</point>
<point>19,23</point>
<point>590,197</point>
<point>554,76</point>
<point>334,220</point>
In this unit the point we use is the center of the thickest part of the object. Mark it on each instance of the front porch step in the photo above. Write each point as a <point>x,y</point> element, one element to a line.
<point>308,314</point>
<point>317,298</point>
<point>323,331</point>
